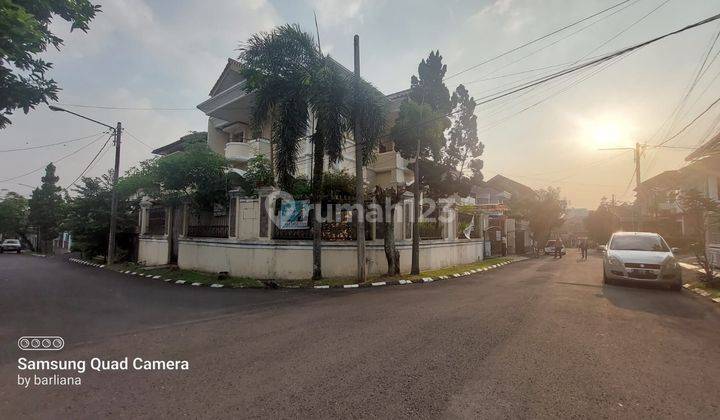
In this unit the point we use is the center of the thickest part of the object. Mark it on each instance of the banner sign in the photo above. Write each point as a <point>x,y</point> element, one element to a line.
<point>294,214</point>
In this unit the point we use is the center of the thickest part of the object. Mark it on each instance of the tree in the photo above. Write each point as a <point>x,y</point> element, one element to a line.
<point>464,148</point>
<point>25,26</point>
<point>13,215</point>
<point>258,174</point>
<point>601,223</point>
<point>388,199</point>
<point>47,209</point>
<point>196,174</point>
<point>426,111</point>
<point>88,216</point>
<point>545,212</point>
<point>701,214</point>
<point>292,82</point>
<point>417,134</point>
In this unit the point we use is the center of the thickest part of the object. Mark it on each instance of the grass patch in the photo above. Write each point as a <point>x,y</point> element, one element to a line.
<point>189,275</point>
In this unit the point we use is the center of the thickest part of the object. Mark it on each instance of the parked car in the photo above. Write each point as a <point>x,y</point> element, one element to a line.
<point>10,245</point>
<point>641,257</point>
<point>550,247</point>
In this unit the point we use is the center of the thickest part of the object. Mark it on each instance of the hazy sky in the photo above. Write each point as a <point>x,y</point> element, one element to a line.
<point>168,54</point>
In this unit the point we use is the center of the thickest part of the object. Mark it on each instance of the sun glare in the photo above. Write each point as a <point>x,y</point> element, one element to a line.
<point>607,132</point>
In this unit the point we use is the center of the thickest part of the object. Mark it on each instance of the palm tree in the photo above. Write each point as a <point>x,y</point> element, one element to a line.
<point>292,81</point>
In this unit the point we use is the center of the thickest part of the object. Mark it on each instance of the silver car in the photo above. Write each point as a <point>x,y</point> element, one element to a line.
<point>641,257</point>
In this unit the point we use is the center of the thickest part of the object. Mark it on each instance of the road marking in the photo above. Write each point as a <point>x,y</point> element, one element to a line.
<point>323,286</point>
<point>197,284</point>
<point>404,282</point>
<point>216,285</point>
<point>180,282</point>
<point>427,279</point>
<point>379,283</point>
<point>350,286</point>
<point>156,277</point>
<point>716,300</point>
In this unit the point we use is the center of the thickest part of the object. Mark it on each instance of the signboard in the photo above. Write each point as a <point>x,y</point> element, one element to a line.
<point>294,214</point>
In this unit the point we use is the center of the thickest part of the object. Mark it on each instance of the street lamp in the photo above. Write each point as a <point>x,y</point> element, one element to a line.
<point>113,202</point>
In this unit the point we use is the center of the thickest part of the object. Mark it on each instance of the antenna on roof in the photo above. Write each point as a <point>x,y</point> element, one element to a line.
<point>317,31</point>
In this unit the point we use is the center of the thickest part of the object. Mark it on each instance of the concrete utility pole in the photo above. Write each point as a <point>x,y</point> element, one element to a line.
<point>638,149</point>
<point>113,201</point>
<point>359,185</point>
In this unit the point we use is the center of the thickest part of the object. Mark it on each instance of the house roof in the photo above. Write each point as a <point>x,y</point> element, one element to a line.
<point>515,188</point>
<point>232,69</point>
<point>710,147</point>
<point>181,143</point>
<point>664,180</point>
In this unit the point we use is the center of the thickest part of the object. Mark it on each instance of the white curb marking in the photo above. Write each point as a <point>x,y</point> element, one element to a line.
<point>427,279</point>
<point>156,277</point>
<point>686,285</point>
<point>197,284</point>
<point>133,274</point>
<point>166,280</point>
<point>216,285</point>
<point>716,300</point>
<point>404,282</point>
<point>180,282</point>
<point>324,286</point>
<point>379,283</point>
<point>456,275</point>
<point>350,286</point>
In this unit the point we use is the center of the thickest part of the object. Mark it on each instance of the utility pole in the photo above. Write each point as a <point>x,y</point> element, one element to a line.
<point>359,185</point>
<point>117,130</point>
<point>113,202</point>
<point>638,216</point>
<point>638,149</point>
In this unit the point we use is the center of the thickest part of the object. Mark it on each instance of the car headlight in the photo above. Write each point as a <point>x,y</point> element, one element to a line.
<point>613,260</point>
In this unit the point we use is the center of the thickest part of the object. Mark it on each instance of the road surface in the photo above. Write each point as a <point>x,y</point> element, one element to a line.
<point>539,338</point>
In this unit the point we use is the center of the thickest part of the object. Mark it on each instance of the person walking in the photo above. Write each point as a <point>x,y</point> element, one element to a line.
<point>584,248</point>
<point>558,248</point>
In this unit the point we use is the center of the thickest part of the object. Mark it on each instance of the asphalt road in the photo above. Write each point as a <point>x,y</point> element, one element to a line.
<point>540,338</point>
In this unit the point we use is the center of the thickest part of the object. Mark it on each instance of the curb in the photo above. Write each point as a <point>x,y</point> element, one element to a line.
<point>698,291</point>
<point>325,286</point>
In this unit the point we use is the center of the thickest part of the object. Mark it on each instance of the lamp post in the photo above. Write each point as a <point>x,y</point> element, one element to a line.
<point>117,130</point>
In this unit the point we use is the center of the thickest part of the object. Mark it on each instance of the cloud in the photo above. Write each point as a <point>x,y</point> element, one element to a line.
<point>512,16</point>
<point>339,12</point>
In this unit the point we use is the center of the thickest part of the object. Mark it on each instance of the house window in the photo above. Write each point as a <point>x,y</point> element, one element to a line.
<point>156,221</point>
<point>237,136</point>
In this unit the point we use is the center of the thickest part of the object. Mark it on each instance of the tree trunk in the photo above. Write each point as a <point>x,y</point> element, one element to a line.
<point>415,266</point>
<point>318,163</point>
<point>391,254</point>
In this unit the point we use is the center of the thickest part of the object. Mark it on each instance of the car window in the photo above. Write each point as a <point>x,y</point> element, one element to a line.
<point>638,243</point>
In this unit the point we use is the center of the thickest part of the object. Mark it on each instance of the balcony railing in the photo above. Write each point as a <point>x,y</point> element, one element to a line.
<point>244,151</point>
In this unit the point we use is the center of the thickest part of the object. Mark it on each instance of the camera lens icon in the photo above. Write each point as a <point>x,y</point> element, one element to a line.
<point>41,343</point>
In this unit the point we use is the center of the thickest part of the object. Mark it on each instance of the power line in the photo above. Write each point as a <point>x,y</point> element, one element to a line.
<point>535,40</point>
<point>690,123</point>
<point>138,140</point>
<point>51,144</point>
<point>54,161</point>
<point>91,161</point>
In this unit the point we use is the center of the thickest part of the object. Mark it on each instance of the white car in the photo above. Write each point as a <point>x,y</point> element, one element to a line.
<point>550,248</point>
<point>10,245</point>
<point>641,257</point>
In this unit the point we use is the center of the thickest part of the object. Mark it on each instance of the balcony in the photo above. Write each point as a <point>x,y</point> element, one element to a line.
<point>244,151</point>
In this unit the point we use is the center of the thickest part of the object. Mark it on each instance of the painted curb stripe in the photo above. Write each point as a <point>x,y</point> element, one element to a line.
<point>180,282</point>
<point>350,286</point>
<point>379,283</point>
<point>216,285</point>
<point>197,284</point>
<point>716,300</point>
<point>404,282</point>
<point>324,286</point>
<point>156,277</point>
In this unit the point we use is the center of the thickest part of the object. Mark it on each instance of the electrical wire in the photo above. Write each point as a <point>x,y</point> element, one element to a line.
<point>535,40</point>
<point>91,162</point>
<point>54,161</point>
<point>20,149</point>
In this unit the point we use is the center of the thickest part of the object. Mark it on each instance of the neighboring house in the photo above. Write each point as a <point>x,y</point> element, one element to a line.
<point>494,197</point>
<point>657,196</point>
<point>180,144</point>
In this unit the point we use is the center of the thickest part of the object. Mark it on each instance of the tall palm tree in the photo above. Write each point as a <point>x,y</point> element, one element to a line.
<point>292,80</point>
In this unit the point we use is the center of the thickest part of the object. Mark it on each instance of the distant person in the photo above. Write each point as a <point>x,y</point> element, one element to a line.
<point>504,246</point>
<point>558,249</point>
<point>584,248</point>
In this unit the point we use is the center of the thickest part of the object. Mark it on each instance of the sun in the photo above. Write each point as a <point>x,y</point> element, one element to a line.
<point>607,132</point>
